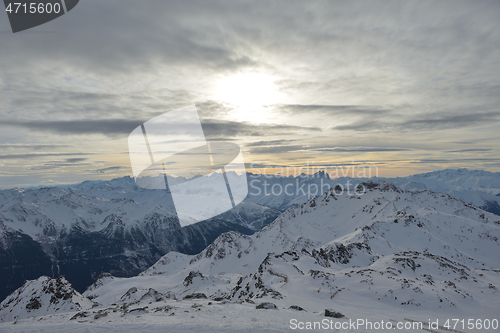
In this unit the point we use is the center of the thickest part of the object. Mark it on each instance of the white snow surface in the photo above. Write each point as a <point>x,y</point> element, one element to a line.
<point>43,213</point>
<point>387,254</point>
<point>44,296</point>
<point>457,180</point>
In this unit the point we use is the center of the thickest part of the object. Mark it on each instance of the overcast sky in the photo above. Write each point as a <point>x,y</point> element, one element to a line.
<point>408,87</point>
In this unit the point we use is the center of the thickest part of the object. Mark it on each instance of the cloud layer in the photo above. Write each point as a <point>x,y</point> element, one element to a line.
<point>409,85</point>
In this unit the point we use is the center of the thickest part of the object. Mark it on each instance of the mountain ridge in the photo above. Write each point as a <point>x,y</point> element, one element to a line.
<point>131,227</point>
<point>383,247</point>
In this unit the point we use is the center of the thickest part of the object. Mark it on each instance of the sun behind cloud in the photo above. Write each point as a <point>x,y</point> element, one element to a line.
<point>248,93</point>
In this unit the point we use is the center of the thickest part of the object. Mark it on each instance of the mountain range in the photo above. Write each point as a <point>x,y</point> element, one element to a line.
<point>378,252</point>
<point>83,230</point>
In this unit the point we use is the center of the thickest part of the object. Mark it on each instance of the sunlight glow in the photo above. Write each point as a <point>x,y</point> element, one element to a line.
<point>248,93</point>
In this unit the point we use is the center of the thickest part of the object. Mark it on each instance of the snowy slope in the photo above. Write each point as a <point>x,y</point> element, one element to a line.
<point>478,187</point>
<point>386,254</point>
<point>334,232</point>
<point>41,297</point>
<point>387,247</point>
<point>458,180</point>
<point>82,235</point>
<point>383,221</point>
<point>108,226</point>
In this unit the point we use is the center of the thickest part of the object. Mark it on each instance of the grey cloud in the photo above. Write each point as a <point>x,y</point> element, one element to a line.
<point>38,155</point>
<point>53,166</point>
<point>214,128</point>
<point>452,160</point>
<point>305,166</point>
<point>350,110</point>
<point>360,149</point>
<point>127,36</point>
<point>108,127</point>
<point>58,104</point>
<point>429,121</point>
<point>211,109</point>
<point>108,169</point>
<point>268,143</point>
<point>30,146</point>
<point>400,67</point>
<point>452,120</point>
<point>277,149</point>
<point>226,36</point>
<point>465,142</point>
<point>76,160</point>
<point>271,149</point>
<point>362,126</point>
<point>220,139</point>
<point>473,150</point>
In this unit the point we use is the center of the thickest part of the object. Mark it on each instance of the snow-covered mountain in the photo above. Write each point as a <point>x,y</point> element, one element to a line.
<point>478,187</point>
<point>114,226</point>
<point>380,253</point>
<point>457,180</point>
<point>41,297</point>
<point>108,226</point>
<point>332,233</point>
<point>86,230</point>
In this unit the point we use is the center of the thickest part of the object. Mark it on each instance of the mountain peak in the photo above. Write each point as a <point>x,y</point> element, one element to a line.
<point>41,297</point>
<point>383,186</point>
<point>409,248</point>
